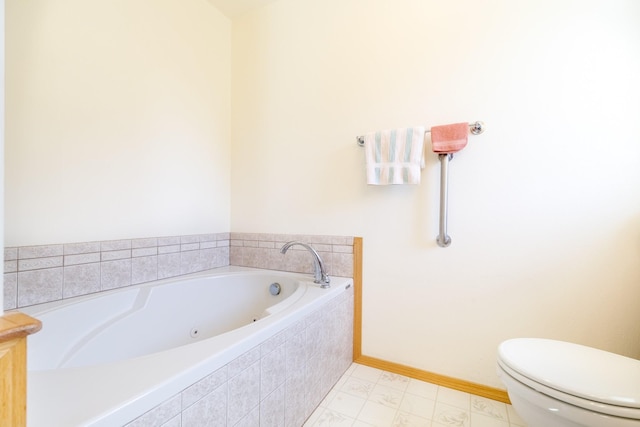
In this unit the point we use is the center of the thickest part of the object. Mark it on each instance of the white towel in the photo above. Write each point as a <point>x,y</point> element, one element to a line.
<point>394,156</point>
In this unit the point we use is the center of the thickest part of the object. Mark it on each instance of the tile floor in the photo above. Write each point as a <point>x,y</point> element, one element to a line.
<point>369,397</point>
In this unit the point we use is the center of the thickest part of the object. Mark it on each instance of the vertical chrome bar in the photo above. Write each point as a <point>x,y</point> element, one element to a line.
<point>443,239</point>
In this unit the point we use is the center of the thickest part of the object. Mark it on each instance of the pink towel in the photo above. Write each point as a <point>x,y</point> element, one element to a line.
<point>449,138</point>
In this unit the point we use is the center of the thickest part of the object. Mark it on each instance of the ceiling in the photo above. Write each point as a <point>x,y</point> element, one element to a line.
<point>234,8</point>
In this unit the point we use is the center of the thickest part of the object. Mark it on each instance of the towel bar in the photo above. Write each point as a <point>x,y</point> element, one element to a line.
<point>443,238</point>
<point>475,128</point>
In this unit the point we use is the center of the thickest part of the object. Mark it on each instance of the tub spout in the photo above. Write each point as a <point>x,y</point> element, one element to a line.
<point>320,275</point>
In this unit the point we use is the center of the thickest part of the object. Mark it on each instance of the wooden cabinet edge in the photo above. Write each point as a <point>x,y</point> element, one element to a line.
<point>14,329</point>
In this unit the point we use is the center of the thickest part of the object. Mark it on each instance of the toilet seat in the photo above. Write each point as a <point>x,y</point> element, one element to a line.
<point>592,379</point>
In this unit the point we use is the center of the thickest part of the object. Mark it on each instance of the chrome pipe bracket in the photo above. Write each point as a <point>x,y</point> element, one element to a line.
<point>476,128</point>
<point>443,242</point>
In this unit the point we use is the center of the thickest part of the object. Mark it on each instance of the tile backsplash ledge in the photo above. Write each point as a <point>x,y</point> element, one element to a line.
<point>44,273</point>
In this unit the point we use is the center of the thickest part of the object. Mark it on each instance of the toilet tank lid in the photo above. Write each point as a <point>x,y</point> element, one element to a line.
<point>574,369</point>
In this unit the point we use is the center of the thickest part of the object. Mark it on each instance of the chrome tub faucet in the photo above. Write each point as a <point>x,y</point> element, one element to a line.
<point>320,274</point>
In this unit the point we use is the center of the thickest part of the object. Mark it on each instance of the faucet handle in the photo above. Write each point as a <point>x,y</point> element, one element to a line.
<point>325,282</point>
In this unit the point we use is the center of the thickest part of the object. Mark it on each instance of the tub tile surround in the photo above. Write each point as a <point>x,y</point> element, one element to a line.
<point>279,382</point>
<point>263,251</point>
<point>44,273</point>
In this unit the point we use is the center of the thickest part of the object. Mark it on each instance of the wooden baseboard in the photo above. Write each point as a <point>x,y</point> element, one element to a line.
<point>430,377</point>
<point>396,368</point>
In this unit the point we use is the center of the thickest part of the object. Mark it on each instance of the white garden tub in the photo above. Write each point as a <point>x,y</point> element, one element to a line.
<point>107,358</point>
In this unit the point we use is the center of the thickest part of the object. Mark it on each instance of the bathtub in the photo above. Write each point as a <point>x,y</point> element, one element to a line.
<point>108,358</point>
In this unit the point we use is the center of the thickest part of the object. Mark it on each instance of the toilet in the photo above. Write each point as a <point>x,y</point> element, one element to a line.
<point>559,384</point>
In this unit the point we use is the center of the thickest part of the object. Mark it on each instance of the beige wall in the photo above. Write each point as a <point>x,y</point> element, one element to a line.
<point>118,120</point>
<point>118,126</point>
<point>544,206</point>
